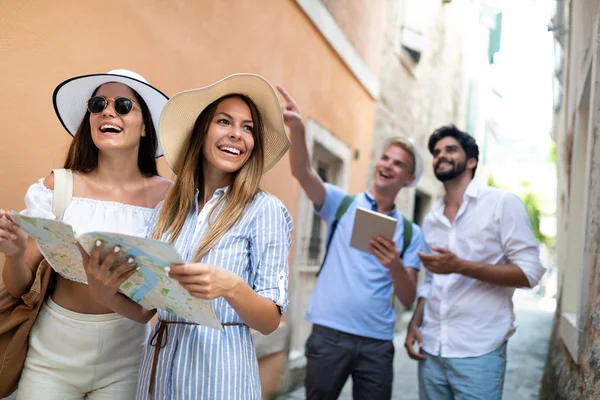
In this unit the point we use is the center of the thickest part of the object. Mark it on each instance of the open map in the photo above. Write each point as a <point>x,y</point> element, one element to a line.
<point>150,286</point>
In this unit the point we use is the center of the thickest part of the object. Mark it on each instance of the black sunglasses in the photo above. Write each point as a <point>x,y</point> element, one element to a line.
<point>122,105</point>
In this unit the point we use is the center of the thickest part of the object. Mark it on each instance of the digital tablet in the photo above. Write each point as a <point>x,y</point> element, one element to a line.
<point>368,225</point>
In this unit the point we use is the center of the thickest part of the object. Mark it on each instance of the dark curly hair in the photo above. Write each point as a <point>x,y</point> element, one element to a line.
<point>467,142</point>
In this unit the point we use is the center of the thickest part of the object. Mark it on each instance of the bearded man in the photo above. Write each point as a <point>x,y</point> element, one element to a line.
<point>481,248</point>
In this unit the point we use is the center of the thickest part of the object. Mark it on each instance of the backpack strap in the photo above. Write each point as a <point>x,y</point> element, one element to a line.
<point>63,191</point>
<point>406,235</point>
<point>406,239</point>
<point>342,208</point>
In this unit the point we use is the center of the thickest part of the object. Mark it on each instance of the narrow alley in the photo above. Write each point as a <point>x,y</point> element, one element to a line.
<point>527,351</point>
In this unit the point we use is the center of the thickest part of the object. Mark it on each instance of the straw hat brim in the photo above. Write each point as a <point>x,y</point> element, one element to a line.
<point>70,96</point>
<point>182,110</point>
<point>417,152</point>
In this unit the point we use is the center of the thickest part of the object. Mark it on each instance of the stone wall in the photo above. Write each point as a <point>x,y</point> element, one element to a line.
<point>418,97</point>
<point>563,378</point>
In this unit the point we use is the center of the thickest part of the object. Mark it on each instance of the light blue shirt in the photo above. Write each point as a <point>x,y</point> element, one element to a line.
<point>353,291</point>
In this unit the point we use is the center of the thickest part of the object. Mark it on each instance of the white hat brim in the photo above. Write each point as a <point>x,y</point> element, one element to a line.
<point>70,96</point>
<point>182,110</point>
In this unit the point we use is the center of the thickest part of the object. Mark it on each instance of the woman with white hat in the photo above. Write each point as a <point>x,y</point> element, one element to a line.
<point>234,237</point>
<point>86,342</point>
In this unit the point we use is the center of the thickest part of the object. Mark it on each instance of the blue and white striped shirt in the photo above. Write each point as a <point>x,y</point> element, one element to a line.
<point>199,362</point>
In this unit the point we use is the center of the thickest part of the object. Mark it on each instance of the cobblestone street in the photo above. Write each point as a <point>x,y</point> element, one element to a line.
<point>527,351</point>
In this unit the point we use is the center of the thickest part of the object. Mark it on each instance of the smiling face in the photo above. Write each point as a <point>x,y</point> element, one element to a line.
<point>229,139</point>
<point>394,169</point>
<point>113,131</point>
<point>450,160</point>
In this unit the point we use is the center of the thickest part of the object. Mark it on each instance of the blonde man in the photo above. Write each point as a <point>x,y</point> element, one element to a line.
<point>350,308</point>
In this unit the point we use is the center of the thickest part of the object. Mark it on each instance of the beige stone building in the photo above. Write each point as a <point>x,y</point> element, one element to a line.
<point>435,54</point>
<point>432,61</point>
<point>572,369</point>
<point>422,86</point>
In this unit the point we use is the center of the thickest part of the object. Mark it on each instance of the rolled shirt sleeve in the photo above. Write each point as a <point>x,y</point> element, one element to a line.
<point>518,242</point>
<point>425,288</point>
<point>271,241</point>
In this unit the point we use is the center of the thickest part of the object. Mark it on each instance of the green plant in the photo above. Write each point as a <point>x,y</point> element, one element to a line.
<point>552,153</point>
<point>532,207</point>
<point>534,213</point>
<point>491,182</point>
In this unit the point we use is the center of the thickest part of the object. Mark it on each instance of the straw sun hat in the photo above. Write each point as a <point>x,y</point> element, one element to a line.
<point>411,143</point>
<point>70,96</point>
<point>182,110</point>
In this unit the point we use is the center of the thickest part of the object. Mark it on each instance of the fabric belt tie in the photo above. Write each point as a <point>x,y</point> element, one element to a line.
<point>161,337</point>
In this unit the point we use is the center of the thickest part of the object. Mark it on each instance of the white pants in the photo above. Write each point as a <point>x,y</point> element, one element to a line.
<point>74,356</point>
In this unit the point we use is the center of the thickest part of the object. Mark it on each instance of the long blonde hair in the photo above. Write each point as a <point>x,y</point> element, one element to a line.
<point>180,200</point>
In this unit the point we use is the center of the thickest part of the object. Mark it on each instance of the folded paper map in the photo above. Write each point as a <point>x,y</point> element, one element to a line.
<point>150,286</point>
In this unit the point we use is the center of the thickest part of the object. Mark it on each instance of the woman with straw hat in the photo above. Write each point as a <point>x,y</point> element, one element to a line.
<point>87,341</point>
<point>235,239</point>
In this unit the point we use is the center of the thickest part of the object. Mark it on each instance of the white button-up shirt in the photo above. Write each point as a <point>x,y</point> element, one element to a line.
<point>466,317</point>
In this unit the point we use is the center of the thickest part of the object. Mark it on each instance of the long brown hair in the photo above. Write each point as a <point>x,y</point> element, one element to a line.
<point>83,153</point>
<point>190,176</point>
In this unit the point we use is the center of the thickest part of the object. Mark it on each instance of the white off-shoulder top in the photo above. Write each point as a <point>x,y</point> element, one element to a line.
<point>88,215</point>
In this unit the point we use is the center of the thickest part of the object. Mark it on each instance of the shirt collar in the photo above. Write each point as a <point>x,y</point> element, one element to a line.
<point>216,195</point>
<point>371,199</point>
<point>473,190</point>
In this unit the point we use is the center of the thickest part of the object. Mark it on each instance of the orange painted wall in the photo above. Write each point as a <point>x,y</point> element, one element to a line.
<point>363,22</point>
<point>176,45</point>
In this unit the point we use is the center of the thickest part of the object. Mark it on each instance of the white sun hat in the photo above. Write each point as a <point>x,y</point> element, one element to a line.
<point>182,110</point>
<point>410,142</point>
<point>70,97</point>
